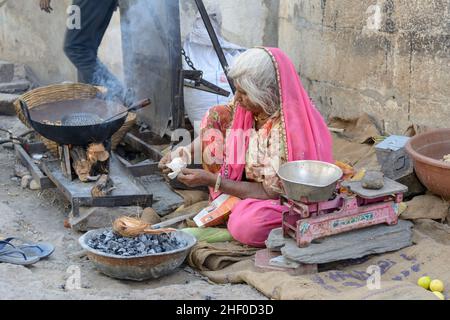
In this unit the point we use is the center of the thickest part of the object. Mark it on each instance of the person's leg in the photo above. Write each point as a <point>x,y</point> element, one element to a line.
<point>102,76</point>
<point>81,45</point>
<point>252,221</point>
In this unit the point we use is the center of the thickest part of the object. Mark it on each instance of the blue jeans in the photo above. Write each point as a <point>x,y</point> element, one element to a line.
<point>81,45</point>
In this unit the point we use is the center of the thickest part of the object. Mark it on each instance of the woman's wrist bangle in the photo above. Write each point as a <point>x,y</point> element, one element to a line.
<point>218,183</point>
<point>187,151</point>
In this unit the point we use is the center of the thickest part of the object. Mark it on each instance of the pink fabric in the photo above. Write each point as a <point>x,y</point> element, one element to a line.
<point>234,166</point>
<point>252,220</point>
<point>307,138</point>
<point>307,134</point>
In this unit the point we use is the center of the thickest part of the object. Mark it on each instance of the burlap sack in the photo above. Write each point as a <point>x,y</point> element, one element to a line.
<point>427,206</point>
<point>399,274</point>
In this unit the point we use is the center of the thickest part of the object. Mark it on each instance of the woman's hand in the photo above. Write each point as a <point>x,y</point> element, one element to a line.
<point>180,153</point>
<point>45,6</point>
<point>197,178</point>
<point>162,165</point>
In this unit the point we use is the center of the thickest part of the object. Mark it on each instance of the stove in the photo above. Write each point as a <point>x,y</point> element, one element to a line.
<point>56,171</point>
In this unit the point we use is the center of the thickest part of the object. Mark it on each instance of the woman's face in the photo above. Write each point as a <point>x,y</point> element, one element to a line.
<point>242,98</point>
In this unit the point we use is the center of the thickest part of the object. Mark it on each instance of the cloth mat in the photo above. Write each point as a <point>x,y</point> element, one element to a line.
<point>348,280</point>
<point>217,256</point>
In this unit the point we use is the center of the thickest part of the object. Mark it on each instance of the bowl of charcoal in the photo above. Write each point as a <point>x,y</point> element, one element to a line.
<point>141,258</point>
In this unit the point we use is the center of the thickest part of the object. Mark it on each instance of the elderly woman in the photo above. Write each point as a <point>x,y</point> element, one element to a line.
<point>271,121</point>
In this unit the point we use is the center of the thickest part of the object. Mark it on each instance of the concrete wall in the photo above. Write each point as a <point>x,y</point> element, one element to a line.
<point>30,36</point>
<point>390,58</point>
<point>35,38</point>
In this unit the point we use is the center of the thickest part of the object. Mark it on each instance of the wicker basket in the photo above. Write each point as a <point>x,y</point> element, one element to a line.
<point>120,134</point>
<point>62,92</point>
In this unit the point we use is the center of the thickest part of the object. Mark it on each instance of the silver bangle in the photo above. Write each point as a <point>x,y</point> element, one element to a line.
<point>218,183</point>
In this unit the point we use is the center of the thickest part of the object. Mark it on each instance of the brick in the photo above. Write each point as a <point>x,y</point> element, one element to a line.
<point>19,86</point>
<point>7,104</point>
<point>6,71</point>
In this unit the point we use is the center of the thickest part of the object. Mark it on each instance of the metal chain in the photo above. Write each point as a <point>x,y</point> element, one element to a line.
<point>188,60</point>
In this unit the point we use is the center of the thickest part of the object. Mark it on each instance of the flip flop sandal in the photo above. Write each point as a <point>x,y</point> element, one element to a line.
<point>3,244</point>
<point>40,249</point>
<point>15,256</point>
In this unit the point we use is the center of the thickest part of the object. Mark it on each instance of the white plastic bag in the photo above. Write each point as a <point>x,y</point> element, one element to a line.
<point>199,49</point>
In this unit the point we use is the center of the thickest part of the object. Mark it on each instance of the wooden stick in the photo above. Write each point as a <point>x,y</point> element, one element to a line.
<point>103,187</point>
<point>337,130</point>
<point>96,152</point>
<point>173,221</point>
<point>81,164</point>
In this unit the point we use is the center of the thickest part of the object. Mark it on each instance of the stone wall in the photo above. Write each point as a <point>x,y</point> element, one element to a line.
<point>389,58</point>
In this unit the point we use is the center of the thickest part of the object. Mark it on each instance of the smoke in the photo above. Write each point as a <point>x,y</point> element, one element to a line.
<point>116,89</point>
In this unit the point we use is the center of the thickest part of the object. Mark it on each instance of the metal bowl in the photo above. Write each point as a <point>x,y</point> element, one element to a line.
<point>309,181</point>
<point>137,268</point>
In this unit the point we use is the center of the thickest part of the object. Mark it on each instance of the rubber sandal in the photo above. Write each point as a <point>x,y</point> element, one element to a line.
<point>40,249</point>
<point>4,244</point>
<point>15,256</point>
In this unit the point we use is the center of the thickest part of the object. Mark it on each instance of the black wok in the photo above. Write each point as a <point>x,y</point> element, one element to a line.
<point>47,120</point>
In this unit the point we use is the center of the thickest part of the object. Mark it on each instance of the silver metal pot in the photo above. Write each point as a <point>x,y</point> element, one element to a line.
<point>310,181</point>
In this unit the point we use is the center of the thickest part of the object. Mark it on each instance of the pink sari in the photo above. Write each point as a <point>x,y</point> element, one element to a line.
<point>306,137</point>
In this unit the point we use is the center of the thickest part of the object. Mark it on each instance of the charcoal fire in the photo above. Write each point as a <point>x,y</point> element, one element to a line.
<point>110,243</point>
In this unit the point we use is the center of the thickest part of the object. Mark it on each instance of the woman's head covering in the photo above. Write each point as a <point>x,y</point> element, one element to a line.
<point>305,133</point>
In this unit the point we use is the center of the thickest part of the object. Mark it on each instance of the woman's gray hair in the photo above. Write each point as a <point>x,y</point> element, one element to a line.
<point>255,73</point>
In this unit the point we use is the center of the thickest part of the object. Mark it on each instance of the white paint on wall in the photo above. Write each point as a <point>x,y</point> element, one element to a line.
<point>374,17</point>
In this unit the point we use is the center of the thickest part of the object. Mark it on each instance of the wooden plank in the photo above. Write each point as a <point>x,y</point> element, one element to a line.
<point>43,181</point>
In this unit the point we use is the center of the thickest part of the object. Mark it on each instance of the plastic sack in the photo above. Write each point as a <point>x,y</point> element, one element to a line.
<point>199,49</point>
<point>210,235</point>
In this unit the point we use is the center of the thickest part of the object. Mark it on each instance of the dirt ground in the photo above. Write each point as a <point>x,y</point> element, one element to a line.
<point>39,216</point>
